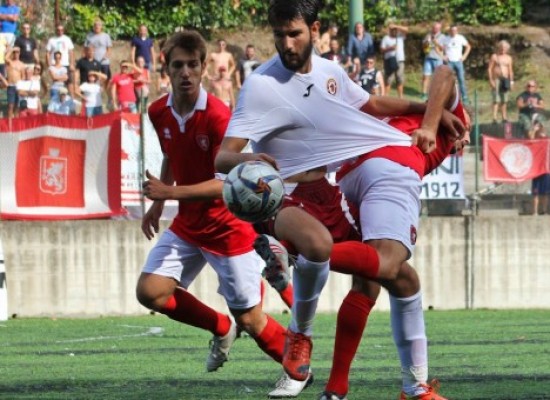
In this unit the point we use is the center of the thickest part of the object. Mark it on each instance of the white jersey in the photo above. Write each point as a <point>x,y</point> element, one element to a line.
<point>308,120</point>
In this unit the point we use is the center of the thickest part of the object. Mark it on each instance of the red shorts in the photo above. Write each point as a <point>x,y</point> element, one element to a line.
<point>323,201</point>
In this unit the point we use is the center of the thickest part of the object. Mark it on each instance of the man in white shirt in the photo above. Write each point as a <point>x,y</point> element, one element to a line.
<point>393,48</point>
<point>457,49</point>
<point>316,116</point>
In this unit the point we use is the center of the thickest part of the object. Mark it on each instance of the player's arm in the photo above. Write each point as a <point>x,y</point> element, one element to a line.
<point>150,221</point>
<point>155,189</point>
<point>230,155</point>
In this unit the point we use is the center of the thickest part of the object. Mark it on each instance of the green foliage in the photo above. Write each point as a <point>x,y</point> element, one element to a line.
<point>121,18</point>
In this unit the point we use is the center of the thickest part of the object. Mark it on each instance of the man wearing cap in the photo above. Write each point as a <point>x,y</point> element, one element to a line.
<point>122,88</point>
<point>15,70</point>
<point>63,104</point>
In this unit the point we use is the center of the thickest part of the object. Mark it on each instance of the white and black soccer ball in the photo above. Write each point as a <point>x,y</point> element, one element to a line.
<point>253,191</point>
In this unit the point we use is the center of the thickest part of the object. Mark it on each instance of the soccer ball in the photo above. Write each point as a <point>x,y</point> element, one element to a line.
<point>253,191</point>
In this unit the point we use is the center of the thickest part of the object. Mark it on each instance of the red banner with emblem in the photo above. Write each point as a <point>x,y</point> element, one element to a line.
<point>60,167</point>
<point>515,160</point>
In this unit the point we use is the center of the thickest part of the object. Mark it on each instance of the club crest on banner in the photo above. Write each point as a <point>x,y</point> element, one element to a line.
<point>53,173</point>
<point>517,159</point>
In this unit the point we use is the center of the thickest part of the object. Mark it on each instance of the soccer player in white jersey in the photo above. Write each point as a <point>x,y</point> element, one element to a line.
<point>288,109</point>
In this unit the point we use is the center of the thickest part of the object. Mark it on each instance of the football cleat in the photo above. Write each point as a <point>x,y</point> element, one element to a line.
<point>297,355</point>
<point>276,258</point>
<point>219,348</point>
<point>332,396</point>
<point>286,387</point>
<point>429,394</point>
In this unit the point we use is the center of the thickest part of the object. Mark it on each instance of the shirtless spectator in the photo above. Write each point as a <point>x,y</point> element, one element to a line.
<point>15,70</point>
<point>501,78</point>
<point>222,88</point>
<point>220,58</point>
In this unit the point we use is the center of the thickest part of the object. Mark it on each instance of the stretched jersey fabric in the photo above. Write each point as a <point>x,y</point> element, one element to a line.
<point>191,143</point>
<point>308,120</point>
<point>411,157</point>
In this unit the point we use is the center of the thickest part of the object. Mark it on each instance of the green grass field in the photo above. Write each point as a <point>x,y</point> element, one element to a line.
<point>475,354</point>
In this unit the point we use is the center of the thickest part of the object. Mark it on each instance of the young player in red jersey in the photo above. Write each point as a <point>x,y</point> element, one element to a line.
<point>190,125</point>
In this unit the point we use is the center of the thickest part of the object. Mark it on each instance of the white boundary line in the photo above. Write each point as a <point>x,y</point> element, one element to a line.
<point>152,331</point>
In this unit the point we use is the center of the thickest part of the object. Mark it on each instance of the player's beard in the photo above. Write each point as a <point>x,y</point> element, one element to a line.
<point>295,61</point>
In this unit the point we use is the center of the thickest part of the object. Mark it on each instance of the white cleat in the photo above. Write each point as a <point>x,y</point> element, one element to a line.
<point>219,348</point>
<point>286,387</point>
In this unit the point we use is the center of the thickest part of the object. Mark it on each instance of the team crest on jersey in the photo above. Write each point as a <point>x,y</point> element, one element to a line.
<point>332,87</point>
<point>53,173</point>
<point>413,235</point>
<point>203,141</point>
<point>167,134</point>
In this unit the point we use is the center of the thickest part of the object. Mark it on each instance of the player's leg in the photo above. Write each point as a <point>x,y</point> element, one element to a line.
<point>239,278</point>
<point>170,268</point>
<point>351,322</point>
<point>313,244</point>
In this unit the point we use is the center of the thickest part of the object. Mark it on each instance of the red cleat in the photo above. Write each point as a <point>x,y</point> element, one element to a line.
<point>296,355</point>
<point>429,394</point>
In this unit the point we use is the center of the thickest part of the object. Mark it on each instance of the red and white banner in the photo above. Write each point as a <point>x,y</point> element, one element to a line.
<point>515,160</point>
<point>60,167</point>
<point>446,181</point>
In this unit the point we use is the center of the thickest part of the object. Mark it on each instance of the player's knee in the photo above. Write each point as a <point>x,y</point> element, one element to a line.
<point>252,321</point>
<point>152,296</point>
<point>316,246</point>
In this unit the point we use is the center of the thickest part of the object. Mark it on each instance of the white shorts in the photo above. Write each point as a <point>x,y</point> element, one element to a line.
<point>239,276</point>
<point>388,196</point>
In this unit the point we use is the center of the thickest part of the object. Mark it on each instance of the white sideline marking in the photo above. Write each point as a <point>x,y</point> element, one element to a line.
<point>153,331</point>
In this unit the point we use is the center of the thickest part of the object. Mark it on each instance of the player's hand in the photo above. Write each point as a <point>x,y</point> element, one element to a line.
<point>268,159</point>
<point>155,189</point>
<point>454,127</point>
<point>424,139</point>
<point>150,221</point>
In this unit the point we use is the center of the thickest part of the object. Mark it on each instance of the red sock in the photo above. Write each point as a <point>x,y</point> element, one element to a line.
<point>351,322</point>
<point>182,306</point>
<point>355,258</point>
<point>272,340</point>
<point>287,295</point>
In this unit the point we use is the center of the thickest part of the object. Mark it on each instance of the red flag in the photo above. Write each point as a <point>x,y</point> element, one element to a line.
<point>60,167</point>
<point>515,160</point>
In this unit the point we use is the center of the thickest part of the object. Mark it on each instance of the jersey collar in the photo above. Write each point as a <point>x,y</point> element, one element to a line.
<point>200,105</point>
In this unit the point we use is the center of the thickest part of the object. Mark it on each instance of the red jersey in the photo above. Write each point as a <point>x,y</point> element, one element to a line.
<point>412,156</point>
<point>125,88</point>
<point>191,145</point>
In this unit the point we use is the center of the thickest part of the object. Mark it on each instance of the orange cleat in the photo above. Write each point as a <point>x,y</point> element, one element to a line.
<point>429,394</point>
<point>296,355</point>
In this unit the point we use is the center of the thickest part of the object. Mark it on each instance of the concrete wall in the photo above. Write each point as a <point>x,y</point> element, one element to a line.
<point>90,267</point>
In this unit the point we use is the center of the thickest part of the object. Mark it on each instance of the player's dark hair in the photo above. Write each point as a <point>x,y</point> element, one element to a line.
<point>283,11</point>
<point>187,40</point>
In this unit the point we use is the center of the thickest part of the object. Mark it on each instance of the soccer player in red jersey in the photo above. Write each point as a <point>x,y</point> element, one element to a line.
<point>190,125</point>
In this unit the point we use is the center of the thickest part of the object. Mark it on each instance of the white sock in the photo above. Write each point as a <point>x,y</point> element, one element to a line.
<point>409,334</point>
<point>308,279</point>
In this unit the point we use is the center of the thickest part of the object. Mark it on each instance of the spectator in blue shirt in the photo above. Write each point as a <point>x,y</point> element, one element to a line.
<point>9,17</point>
<point>360,44</point>
<point>143,45</point>
<point>63,104</point>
